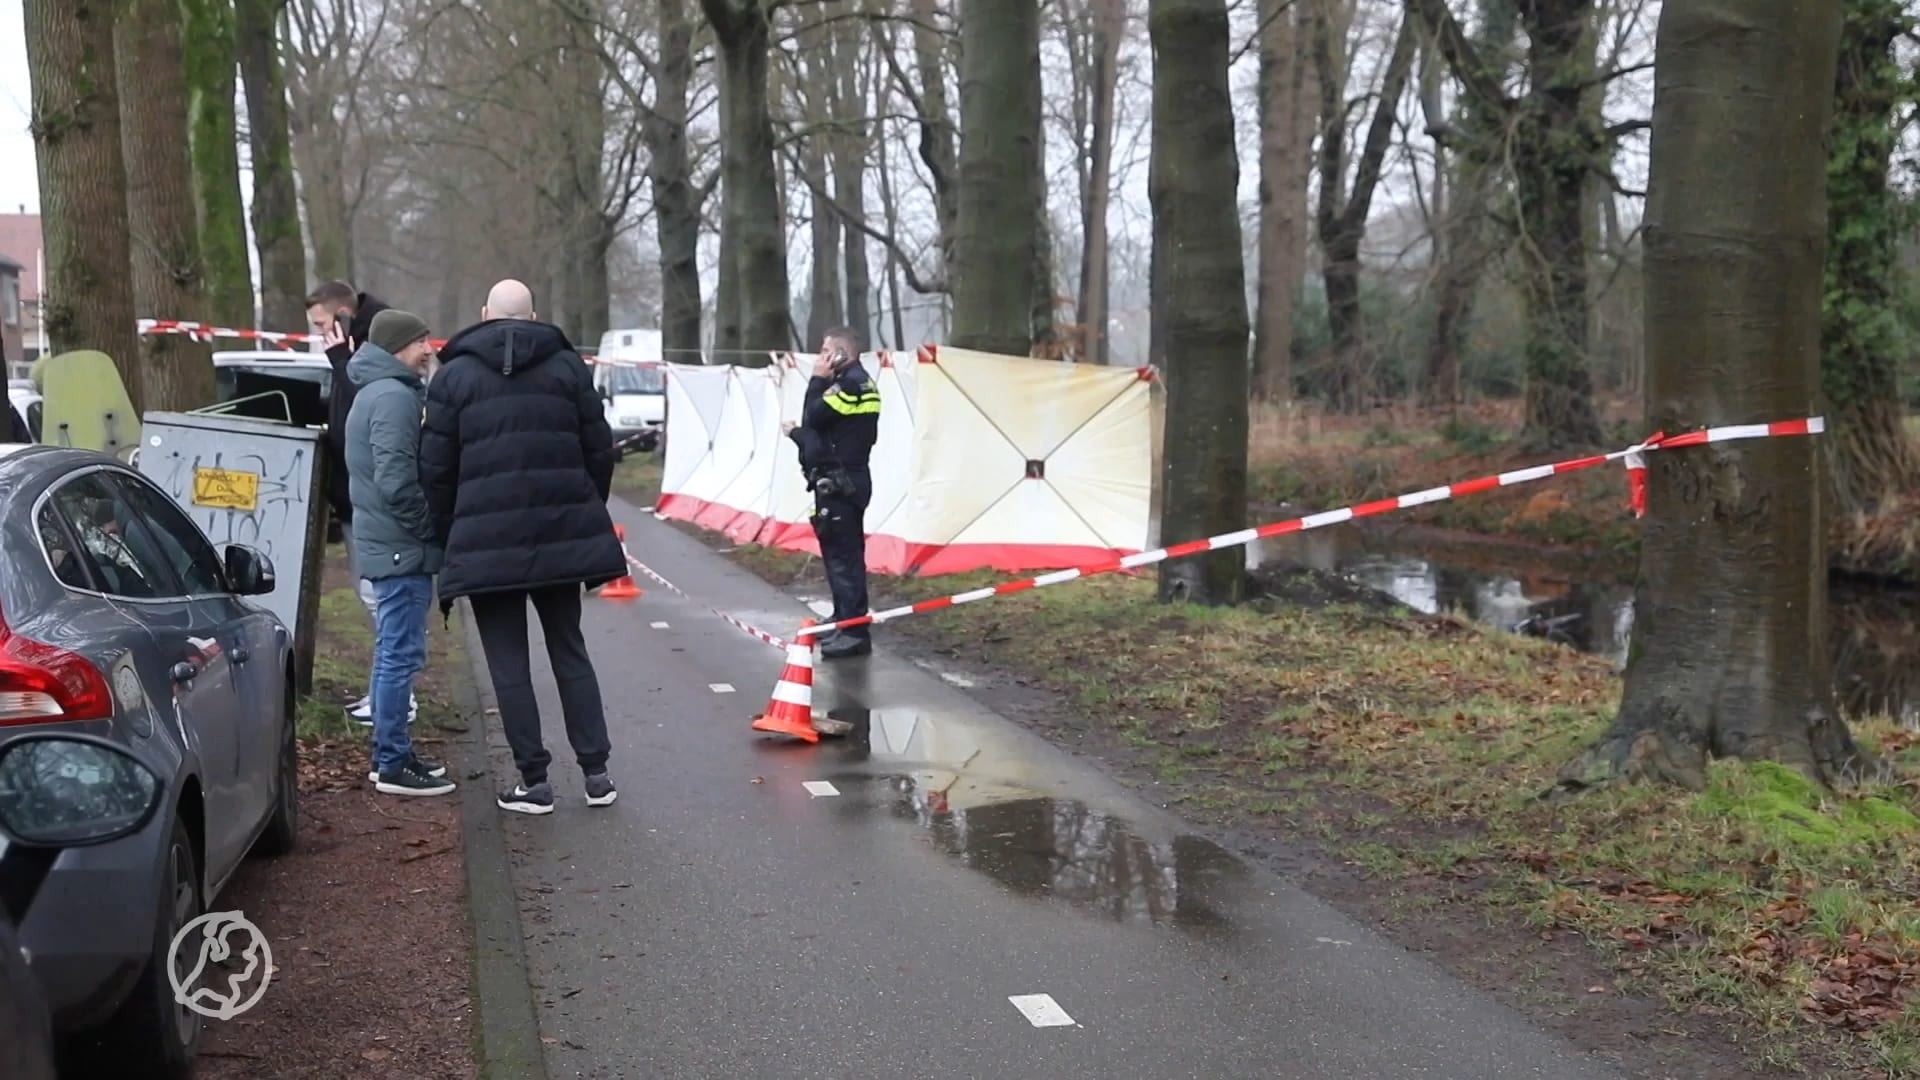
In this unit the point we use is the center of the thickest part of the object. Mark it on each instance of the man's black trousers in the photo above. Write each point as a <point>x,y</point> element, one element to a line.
<point>501,618</point>
<point>840,523</point>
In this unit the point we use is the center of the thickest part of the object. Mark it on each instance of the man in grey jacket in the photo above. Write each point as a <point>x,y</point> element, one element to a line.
<point>393,539</point>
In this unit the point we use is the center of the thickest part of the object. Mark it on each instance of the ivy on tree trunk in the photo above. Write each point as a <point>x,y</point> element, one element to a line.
<point>211,55</point>
<point>1863,338</point>
<point>1729,655</point>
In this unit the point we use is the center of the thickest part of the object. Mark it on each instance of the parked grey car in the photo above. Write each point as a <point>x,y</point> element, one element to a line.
<point>119,619</point>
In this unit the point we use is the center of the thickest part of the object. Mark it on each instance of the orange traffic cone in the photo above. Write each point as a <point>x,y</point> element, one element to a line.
<point>622,588</point>
<point>790,712</point>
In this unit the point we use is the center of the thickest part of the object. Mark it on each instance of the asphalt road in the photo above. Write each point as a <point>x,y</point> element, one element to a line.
<point>721,920</point>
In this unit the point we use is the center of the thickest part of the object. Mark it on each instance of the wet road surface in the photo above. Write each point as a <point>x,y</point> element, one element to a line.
<point>962,900</point>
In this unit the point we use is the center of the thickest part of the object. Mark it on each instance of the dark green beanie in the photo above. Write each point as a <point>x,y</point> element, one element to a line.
<point>394,330</point>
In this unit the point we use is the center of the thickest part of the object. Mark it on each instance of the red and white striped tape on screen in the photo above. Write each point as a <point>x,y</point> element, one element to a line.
<point>1633,456</point>
<point>751,631</point>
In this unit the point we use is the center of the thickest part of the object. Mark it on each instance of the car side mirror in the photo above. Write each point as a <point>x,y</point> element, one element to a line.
<point>72,790</point>
<point>249,572</point>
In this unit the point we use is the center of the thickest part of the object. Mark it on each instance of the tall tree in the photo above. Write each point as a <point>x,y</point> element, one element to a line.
<point>326,68</point>
<point>176,371</point>
<point>751,229</point>
<point>676,202</point>
<point>1466,240</point>
<point>818,82</point>
<point>848,150</point>
<point>209,51</point>
<point>1199,295</point>
<point>1550,136</point>
<point>276,201</point>
<point>1863,340</point>
<point>1343,225</point>
<point>1285,108</point>
<point>1107,28</point>
<point>88,303</point>
<point>1729,653</point>
<point>999,195</point>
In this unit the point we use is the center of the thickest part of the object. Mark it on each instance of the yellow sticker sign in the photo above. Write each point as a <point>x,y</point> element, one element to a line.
<point>226,489</point>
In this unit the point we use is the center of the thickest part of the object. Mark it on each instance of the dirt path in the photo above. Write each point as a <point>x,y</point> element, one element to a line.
<point>368,918</point>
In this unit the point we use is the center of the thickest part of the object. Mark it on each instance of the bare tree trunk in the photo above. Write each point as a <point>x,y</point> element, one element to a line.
<point>994,258</point>
<point>1284,145</point>
<point>210,51</point>
<point>676,205</point>
<point>1199,295</point>
<point>88,302</point>
<point>824,309</point>
<point>1729,653</point>
<point>318,144</point>
<point>1094,308</point>
<point>276,203</point>
<point>849,153</point>
<point>889,210</point>
<point>1045,328</point>
<point>937,135</point>
<point>176,371</point>
<point>1344,226</point>
<point>751,212</point>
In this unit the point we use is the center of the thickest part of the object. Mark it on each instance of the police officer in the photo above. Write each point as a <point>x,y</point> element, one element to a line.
<point>838,425</point>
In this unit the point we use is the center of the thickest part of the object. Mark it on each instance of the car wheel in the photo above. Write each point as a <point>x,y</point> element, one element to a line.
<point>283,829</point>
<point>153,1035</point>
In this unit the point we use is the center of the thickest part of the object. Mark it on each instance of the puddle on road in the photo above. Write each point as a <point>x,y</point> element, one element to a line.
<point>979,806</point>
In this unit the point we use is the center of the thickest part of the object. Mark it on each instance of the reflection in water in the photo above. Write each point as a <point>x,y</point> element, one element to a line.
<point>1038,847</point>
<point>1874,635</point>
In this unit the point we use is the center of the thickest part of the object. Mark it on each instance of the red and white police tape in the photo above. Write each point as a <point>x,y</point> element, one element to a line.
<point>208,332</point>
<point>751,631</point>
<point>1632,456</point>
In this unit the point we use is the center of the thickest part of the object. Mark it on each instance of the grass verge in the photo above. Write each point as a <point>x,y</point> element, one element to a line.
<point>1412,749</point>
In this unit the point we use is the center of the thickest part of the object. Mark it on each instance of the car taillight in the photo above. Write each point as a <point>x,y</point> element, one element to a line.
<point>42,684</point>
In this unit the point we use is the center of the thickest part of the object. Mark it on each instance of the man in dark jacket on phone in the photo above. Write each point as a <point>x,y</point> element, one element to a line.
<point>517,461</point>
<point>343,317</point>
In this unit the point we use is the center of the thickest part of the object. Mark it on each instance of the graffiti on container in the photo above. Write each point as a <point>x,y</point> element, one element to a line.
<point>276,505</point>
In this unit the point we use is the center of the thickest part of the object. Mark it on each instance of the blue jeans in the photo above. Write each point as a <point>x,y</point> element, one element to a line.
<point>399,652</point>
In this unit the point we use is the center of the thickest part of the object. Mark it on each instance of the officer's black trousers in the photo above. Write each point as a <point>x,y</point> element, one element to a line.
<point>839,521</point>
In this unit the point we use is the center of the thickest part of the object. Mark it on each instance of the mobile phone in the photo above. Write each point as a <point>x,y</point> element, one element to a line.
<point>345,326</point>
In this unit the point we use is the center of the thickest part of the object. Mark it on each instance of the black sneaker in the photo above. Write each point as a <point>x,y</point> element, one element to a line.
<point>600,790</point>
<point>411,779</point>
<point>522,799</point>
<point>427,765</point>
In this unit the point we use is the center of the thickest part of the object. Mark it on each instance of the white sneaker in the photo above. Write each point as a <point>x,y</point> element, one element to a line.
<point>362,711</point>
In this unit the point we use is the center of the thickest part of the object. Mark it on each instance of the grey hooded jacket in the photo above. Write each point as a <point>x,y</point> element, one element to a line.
<point>392,532</point>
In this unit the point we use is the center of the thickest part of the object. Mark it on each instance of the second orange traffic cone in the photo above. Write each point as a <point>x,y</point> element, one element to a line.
<point>623,587</point>
<point>790,712</point>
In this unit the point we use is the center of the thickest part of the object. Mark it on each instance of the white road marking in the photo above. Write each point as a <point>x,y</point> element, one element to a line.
<point>720,687</point>
<point>819,788</point>
<point>1041,1010</point>
<point>822,608</point>
<point>1331,941</point>
<point>659,626</point>
<point>960,681</point>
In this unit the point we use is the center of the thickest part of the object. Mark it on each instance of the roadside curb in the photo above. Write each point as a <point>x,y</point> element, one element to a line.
<point>507,1029</point>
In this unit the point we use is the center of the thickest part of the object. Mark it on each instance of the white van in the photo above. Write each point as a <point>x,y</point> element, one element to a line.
<point>632,377</point>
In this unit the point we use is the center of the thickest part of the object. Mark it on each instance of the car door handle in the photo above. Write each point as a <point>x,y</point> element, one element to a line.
<point>238,654</point>
<point>184,672</point>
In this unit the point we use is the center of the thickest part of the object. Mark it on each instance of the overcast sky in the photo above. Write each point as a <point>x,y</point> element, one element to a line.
<point>19,183</point>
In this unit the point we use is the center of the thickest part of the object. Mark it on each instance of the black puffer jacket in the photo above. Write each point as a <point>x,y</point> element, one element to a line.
<point>517,462</point>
